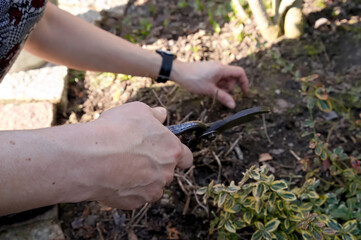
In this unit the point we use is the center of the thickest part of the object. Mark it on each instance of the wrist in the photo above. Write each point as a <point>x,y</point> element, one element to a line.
<point>176,72</point>
<point>73,164</point>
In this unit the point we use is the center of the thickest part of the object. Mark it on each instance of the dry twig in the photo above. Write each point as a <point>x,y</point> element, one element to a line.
<point>265,129</point>
<point>219,165</point>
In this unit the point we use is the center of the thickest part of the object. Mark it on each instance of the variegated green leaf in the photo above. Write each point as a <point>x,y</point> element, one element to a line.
<point>334,225</point>
<point>258,206</point>
<point>249,202</point>
<point>324,105</point>
<point>318,150</point>
<point>221,198</point>
<point>202,190</point>
<point>263,169</point>
<point>232,188</point>
<point>306,207</point>
<point>255,174</point>
<point>263,177</point>
<point>259,190</point>
<point>259,225</point>
<point>247,217</point>
<point>320,224</point>
<point>234,209</point>
<point>280,205</point>
<point>294,208</point>
<point>272,225</point>
<point>321,200</point>
<point>239,224</point>
<point>281,236</point>
<point>317,235</point>
<point>272,199</point>
<point>306,235</point>
<point>323,155</point>
<point>278,185</point>
<point>313,194</point>
<point>329,231</point>
<point>287,196</point>
<point>257,235</point>
<point>295,218</point>
<point>229,226</point>
<point>323,218</point>
<point>266,235</point>
<point>348,236</point>
<point>309,182</point>
<point>270,179</point>
<point>349,226</point>
<point>218,188</point>
<point>353,188</point>
<point>349,173</point>
<point>286,224</point>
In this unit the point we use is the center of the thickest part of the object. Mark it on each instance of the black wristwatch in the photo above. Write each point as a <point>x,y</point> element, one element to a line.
<point>166,68</point>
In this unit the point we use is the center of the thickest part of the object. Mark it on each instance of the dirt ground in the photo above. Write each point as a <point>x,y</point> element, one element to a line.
<point>333,51</point>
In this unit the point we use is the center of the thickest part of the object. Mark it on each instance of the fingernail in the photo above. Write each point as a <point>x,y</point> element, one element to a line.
<point>161,110</point>
<point>231,104</point>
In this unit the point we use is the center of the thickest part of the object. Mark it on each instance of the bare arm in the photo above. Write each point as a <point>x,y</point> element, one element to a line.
<point>65,39</point>
<point>119,159</point>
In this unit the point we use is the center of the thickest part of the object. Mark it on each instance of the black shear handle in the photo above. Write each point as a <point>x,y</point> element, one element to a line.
<point>188,132</point>
<point>187,127</point>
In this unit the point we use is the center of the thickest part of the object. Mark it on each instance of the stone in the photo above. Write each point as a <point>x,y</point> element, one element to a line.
<point>281,105</point>
<point>320,22</point>
<point>278,151</point>
<point>26,61</point>
<point>83,6</point>
<point>329,116</point>
<point>294,23</point>
<point>45,84</point>
<point>41,227</point>
<point>43,230</point>
<point>26,115</point>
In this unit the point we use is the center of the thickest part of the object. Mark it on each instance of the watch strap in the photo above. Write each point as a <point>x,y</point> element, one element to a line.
<point>166,67</point>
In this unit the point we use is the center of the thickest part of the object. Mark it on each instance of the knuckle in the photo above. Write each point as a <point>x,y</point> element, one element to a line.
<point>168,177</point>
<point>154,195</point>
<point>177,151</point>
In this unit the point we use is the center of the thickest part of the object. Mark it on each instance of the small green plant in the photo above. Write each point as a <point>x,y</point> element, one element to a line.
<point>344,181</point>
<point>272,209</point>
<point>182,4</point>
<point>146,26</point>
<point>198,6</point>
<point>213,23</point>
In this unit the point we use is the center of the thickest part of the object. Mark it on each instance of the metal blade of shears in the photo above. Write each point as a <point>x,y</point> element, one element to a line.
<point>241,117</point>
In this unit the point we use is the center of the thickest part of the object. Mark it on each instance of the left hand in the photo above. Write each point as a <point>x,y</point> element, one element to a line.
<point>210,78</point>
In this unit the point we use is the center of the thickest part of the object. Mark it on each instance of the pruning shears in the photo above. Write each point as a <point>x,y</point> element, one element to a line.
<point>193,132</point>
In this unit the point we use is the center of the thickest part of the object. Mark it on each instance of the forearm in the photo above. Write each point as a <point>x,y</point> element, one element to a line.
<point>65,39</point>
<point>40,167</point>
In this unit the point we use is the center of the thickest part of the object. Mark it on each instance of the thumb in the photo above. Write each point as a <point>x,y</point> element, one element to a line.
<point>225,98</point>
<point>159,113</point>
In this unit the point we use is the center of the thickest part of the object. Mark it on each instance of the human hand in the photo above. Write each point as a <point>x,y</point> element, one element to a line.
<point>134,156</point>
<point>210,78</point>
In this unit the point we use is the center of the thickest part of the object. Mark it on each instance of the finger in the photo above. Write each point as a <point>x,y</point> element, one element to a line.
<point>225,98</point>
<point>240,75</point>
<point>228,84</point>
<point>159,113</point>
<point>186,160</point>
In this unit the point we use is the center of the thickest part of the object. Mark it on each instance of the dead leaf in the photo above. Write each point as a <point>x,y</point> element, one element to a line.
<point>263,157</point>
<point>172,232</point>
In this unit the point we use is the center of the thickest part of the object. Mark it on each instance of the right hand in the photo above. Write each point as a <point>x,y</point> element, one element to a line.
<point>135,156</point>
